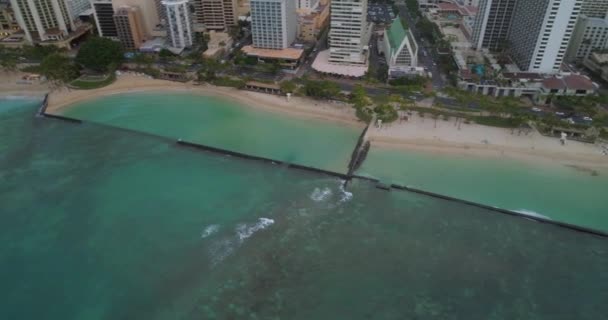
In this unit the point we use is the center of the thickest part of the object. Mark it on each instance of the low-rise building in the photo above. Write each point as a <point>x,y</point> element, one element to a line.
<point>535,86</point>
<point>288,58</point>
<point>217,44</point>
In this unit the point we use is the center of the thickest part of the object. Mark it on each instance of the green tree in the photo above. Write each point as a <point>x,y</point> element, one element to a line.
<point>288,86</point>
<point>58,68</point>
<point>358,97</point>
<point>100,54</point>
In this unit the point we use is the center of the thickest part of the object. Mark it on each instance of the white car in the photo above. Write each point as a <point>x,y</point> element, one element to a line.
<point>560,114</point>
<point>536,109</point>
<point>587,119</point>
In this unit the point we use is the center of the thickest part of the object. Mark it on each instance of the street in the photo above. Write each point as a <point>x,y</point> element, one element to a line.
<point>427,56</point>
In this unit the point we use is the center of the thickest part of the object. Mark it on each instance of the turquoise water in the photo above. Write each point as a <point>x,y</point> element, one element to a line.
<point>97,223</point>
<point>552,190</point>
<point>223,124</point>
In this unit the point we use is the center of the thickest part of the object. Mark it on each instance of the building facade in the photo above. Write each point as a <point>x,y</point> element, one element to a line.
<point>129,27</point>
<point>43,20</point>
<point>215,14</point>
<point>273,23</point>
<point>179,23</point>
<point>311,23</point>
<point>590,34</point>
<point>540,32</point>
<point>8,22</point>
<point>595,8</point>
<point>77,7</point>
<point>349,32</point>
<point>148,13</point>
<point>492,24</point>
<point>307,5</point>
<point>104,18</point>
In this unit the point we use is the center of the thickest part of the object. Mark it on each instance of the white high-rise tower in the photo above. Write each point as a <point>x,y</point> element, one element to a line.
<point>43,19</point>
<point>540,33</point>
<point>349,32</point>
<point>179,23</point>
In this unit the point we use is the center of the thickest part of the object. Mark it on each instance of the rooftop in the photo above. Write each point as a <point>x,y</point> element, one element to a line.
<point>572,82</point>
<point>395,34</point>
<point>287,53</point>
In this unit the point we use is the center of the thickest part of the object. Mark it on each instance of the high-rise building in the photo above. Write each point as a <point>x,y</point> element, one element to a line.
<point>590,34</point>
<point>148,13</point>
<point>104,18</point>
<point>474,3</point>
<point>540,33</point>
<point>179,23</point>
<point>215,14</point>
<point>273,23</point>
<point>77,7</point>
<point>129,27</point>
<point>43,20</point>
<point>492,23</point>
<point>595,8</point>
<point>349,32</point>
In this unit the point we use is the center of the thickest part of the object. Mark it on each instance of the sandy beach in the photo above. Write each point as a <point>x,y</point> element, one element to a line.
<point>444,137</point>
<point>128,83</point>
<point>421,134</point>
<point>9,86</point>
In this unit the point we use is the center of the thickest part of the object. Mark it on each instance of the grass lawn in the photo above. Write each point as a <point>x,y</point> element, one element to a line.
<point>92,82</point>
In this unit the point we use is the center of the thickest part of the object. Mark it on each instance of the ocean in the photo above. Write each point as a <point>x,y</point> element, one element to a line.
<point>100,223</point>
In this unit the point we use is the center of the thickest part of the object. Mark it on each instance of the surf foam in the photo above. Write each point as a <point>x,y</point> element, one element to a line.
<point>319,195</point>
<point>243,231</point>
<point>209,230</point>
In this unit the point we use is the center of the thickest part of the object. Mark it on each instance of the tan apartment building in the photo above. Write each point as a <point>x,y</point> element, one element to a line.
<point>149,15</point>
<point>215,14</point>
<point>129,27</point>
<point>311,22</point>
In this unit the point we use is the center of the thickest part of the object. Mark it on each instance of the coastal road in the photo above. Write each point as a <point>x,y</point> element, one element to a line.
<point>427,55</point>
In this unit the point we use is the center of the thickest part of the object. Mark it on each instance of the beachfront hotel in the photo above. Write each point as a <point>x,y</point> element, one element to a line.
<point>179,24</point>
<point>274,30</point>
<point>215,14</point>
<point>273,23</point>
<point>400,50</point>
<point>540,33</point>
<point>43,20</point>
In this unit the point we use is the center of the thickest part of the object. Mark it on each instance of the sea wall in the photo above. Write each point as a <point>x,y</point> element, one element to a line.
<point>357,153</point>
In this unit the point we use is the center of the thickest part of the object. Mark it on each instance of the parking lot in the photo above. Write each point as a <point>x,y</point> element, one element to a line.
<point>380,13</point>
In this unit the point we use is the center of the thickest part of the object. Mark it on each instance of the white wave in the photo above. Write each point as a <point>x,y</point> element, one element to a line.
<point>209,230</point>
<point>532,213</point>
<point>319,195</point>
<point>243,231</point>
<point>344,195</point>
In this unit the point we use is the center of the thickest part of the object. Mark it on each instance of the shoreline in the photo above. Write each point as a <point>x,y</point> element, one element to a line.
<point>491,152</point>
<point>296,107</point>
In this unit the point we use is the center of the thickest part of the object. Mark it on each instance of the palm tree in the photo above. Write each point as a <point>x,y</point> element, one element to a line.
<point>435,117</point>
